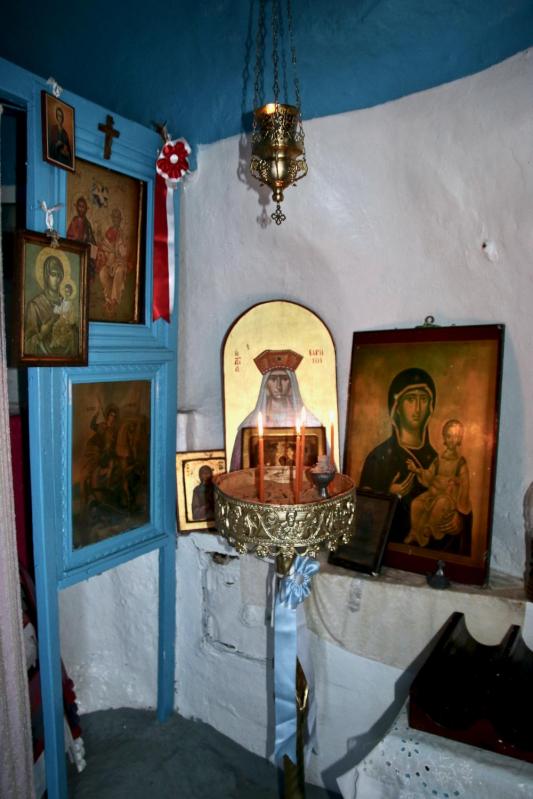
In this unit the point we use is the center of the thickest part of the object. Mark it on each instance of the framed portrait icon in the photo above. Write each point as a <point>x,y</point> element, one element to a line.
<point>195,488</point>
<point>279,361</point>
<point>110,484</point>
<point>280,446</point>
<point>57,120</point>
<point>50,326</point>
<point>105,209</point>
<point>422,424</point>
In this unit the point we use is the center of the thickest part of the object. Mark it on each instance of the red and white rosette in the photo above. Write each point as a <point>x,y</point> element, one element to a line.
<point>171,166</point>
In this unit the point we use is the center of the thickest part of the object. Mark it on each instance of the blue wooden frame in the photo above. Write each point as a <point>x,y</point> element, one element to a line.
<point>116,351</point>
<point>80,563</point>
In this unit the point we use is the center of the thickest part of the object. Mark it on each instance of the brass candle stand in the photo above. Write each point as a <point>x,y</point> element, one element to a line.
<point>281,528</point>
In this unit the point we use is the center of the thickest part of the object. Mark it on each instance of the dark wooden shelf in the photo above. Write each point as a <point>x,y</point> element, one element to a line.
<point>476,694</point>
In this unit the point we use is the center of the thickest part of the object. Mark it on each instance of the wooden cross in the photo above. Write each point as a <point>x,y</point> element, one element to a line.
<point>110,134</point>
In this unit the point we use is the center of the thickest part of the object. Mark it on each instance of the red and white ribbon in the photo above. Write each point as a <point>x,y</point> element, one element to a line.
<point>171,166</point>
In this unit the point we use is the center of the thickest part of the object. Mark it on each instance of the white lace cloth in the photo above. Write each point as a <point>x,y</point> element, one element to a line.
<point>409,764</point>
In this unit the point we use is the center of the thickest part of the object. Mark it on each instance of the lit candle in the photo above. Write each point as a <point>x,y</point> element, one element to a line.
<point>302,449</point>
<point>261,471</point>
<point>331,441</point>
<point>297,463</point>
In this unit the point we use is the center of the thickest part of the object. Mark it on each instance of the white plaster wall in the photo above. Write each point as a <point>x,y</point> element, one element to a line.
<point>224,665</point>
<point>109,636</point>
<point>387,228</point>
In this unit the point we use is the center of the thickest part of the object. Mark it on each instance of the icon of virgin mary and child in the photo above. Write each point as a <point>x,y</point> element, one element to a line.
<point>279,401</point>
<point>434,511</point>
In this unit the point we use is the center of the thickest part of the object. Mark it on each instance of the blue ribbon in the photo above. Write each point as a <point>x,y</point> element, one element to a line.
<point>293,589</point>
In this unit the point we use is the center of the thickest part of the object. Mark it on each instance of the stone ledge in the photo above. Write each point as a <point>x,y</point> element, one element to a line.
<point>390,618</point>
<point>393,617</point>
<point>500,584</point>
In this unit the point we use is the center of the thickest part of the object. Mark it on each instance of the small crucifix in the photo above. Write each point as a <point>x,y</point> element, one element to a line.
<point>110,134</point>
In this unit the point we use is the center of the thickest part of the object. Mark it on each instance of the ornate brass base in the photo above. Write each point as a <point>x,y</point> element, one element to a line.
<point>284,529</point>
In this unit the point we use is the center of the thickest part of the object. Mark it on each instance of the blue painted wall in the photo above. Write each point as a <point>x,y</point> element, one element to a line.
<point>186,62</point>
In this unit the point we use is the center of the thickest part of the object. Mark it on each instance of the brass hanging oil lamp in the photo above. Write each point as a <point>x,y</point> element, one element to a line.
<point>278,146</point>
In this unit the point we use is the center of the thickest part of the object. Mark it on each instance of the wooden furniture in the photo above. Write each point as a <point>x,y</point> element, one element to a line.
<point>476,694</point>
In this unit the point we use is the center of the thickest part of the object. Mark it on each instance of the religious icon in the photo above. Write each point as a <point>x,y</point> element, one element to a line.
<point>110,459</point>
<point>105,210</point>
<point>279,359</point>
<point>280,446</point>
<point>279,400</point>
<point>422,422</point>
<point>52,302</point>
<point>195,472</point>
<point>58,132</point>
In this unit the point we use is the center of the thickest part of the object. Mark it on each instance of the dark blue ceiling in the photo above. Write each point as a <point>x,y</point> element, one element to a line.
<point>189,63</point>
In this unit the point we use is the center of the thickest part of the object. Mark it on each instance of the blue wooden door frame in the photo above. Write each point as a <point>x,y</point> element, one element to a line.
<point>146,351</point>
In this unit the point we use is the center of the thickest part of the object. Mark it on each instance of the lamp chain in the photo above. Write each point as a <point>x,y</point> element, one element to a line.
<point>293,56</point>
<point>275,54</point>
<point>260,52</point>
<point>259,56</point>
